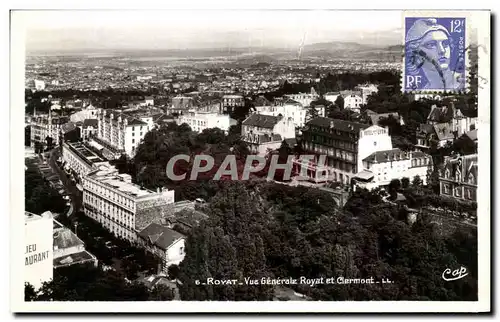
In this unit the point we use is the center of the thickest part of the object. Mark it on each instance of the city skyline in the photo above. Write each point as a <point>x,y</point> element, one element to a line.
<point>126,30</point>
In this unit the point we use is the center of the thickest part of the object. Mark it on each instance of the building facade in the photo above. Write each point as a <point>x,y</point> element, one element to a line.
<point>38,265</point>
<point>44,126</point>
<point>79,158</point>
<point>381,167</point>
<point>232,102</point>
<point>344,145</point>
<point>199,121</point>
<point>366,91</point>
<point>121,206</point>
<point>167,244</point>
<point>120,133</point>
<point>264,133</point>
<point>458,178</point>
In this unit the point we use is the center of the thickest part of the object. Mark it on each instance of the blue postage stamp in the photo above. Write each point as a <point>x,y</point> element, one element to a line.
<point>435,54</point>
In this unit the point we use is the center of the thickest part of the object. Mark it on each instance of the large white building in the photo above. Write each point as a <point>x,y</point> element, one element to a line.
<point>366,91</point>
<point>304,99</point>
<point>43,126</point>
<point>122,207</point>
<point>165,243</point>
<point>79,158</point>
<point>199,121</point>
<point>38,240</point>
<point>289,109</point>
<point>381,167</point>
<point>120,133</point>
<point>264,133</point>
<point>89,112</point>
<point>344,145</point>
<point>352,99</point>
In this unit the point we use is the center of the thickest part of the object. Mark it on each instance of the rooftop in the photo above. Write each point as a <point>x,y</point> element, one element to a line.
<point>110,177</point>
<point>341,125</point>
<point>260,120</point>
<point>84,153</point>
<point>160,236</point>
<point>76,258</point>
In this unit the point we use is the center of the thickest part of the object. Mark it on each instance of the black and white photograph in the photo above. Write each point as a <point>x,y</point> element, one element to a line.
<point>315,160</point>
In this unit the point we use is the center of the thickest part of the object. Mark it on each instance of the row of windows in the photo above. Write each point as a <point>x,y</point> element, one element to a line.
<point>419,162</point>
<point>459,192</point>
<point>106,193</point>
<point>458,177</point>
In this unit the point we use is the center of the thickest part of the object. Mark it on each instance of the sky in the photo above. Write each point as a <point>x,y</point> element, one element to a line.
<point>164,29</point>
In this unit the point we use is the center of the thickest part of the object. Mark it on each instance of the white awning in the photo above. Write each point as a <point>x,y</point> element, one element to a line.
<point>364,175</point>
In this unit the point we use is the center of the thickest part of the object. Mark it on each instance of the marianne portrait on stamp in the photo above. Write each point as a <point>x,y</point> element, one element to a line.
<point>430,54</point>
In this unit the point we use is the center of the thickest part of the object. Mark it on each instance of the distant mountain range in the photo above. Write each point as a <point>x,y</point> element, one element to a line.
<point>252,55</point>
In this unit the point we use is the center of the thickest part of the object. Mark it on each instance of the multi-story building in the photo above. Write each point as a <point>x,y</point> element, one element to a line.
<point>120,133</point>
<point>38,265</point>
<point>165,243</point>
<point>344,145</point>
<point>381,167</point>
<point>199,121</point>
<point>43,126</point>
<point>304,98</point>
<point>454,118</point>
<point>88,128</point>
<point>79,158</point>
<point>352,99</point>
<point>89,112</point>
<point>264,133</point>
<point>232,102</point>
<point>459,177</point>
<point>122,207</point>
<point>366,91</point>
<point>288,109</point>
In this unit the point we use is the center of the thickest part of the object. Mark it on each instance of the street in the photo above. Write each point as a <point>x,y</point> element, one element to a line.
<point>74,193</point>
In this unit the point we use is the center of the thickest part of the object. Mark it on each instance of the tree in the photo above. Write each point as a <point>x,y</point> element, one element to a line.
<point>405,183</point>
<point>173,272</point>
<point>339,102</point>
<point>311,113</point>
<point>417,182</point>
<point>27,135</point>
<point>394,187</point>
<point>29,292</point>
<point>161,293</point>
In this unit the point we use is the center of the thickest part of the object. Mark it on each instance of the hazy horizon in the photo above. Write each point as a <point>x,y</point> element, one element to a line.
<point>64,31</point>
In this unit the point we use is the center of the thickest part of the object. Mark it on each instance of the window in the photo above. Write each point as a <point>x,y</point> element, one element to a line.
<point>447,173</point>
<point>133,140</point>
<point>446,189</point>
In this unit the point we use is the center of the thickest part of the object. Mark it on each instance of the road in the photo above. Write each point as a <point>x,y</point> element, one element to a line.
<point>74,193</point>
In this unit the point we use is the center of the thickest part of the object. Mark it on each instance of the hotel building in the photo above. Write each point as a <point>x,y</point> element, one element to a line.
<point>38,240</point>
<point>345,145</point>
<point>289,109</point>
<point>119,205</point>
<point>120,133</point>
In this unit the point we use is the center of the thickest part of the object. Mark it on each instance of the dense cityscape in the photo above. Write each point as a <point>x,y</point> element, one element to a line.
<point>385,204</point>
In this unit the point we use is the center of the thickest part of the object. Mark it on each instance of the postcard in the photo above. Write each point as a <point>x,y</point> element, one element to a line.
<point>250,161</point>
